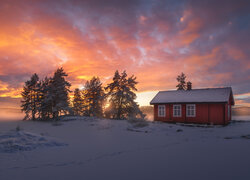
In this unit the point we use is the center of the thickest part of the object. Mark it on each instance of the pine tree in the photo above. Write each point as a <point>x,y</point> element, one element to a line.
<point>122,97</point>
<point>181,82</point>
<point>39,95</point>
<point>78,102</point>
<point>45,107</point>
<point>58,91</point>
<point>46,99</point>
<point>94,97</point>
<point>26,101</point>
<point>29,103</point>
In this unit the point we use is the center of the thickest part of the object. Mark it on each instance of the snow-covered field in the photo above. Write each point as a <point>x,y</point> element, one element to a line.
<point>89,148</point>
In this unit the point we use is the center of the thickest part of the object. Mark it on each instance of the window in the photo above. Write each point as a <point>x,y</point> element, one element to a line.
<point>161,111</point>
<point>177,110</point>
<point>228,111</point>
<point>191,110</point>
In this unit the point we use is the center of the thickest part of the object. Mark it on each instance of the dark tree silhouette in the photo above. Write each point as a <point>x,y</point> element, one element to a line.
<point>181,82</point>
<point>94,97</point>
<point>58,93</point>
<point>122,97</point>
<point>78,102</point>
<point>49,98</point>
<point>45,107</point>
<point>30,98</point>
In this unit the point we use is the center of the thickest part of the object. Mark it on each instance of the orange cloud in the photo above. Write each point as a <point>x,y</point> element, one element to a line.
<point>190,30</point>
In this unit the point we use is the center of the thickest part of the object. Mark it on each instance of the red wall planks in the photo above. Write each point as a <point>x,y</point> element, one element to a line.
<point>216,113</point>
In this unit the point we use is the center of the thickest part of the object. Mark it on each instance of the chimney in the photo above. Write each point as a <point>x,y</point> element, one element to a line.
<point>189,85</point>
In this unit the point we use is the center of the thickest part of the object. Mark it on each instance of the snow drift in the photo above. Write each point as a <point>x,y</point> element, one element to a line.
<point>14,141</point>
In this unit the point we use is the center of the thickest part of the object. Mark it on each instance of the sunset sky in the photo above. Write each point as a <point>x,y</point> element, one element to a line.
<point>155,40</point>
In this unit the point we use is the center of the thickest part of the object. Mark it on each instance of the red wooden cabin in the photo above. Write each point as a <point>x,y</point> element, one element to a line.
<point>203,106</point>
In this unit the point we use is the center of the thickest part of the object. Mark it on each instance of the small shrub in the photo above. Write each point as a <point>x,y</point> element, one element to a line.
<point>56,123</point>
<point>18,128</point>
<point>246,136</point>
<point>138,122</point>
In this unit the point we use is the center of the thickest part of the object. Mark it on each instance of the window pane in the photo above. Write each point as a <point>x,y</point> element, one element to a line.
<point>191,110</point>
<point>177,110</point>
<point>161,110</point>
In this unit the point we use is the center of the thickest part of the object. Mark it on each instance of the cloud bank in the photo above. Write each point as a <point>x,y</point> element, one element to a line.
<point>153,39</point>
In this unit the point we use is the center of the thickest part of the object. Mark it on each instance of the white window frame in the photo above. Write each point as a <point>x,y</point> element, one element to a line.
<point>187,110</point>
<point>179,108</point>
<point>161,111</point>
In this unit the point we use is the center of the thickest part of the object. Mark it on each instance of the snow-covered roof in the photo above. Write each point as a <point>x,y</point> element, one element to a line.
<point>209,95</point>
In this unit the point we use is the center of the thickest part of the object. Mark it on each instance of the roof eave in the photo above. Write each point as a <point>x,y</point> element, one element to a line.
<point>153,103</point>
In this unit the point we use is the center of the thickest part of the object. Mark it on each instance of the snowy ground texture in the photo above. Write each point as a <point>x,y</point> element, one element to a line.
<point>16,141</point>
<point>90,148</point>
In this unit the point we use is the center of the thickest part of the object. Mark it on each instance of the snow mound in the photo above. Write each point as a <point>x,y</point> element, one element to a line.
<point>15,141</point>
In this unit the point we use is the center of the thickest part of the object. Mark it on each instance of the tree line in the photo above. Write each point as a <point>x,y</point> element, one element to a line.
<point>49,99</point>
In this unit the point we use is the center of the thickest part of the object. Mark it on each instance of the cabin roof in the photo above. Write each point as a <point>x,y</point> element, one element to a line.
<point>208,95</point>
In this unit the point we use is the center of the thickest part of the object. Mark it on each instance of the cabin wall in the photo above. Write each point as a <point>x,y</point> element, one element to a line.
<point>202,114</point>
<point>183,113</point>
<point>205,114</point>
<point>217,113</point>
<point>167,110</point>
<point>228,110</point>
